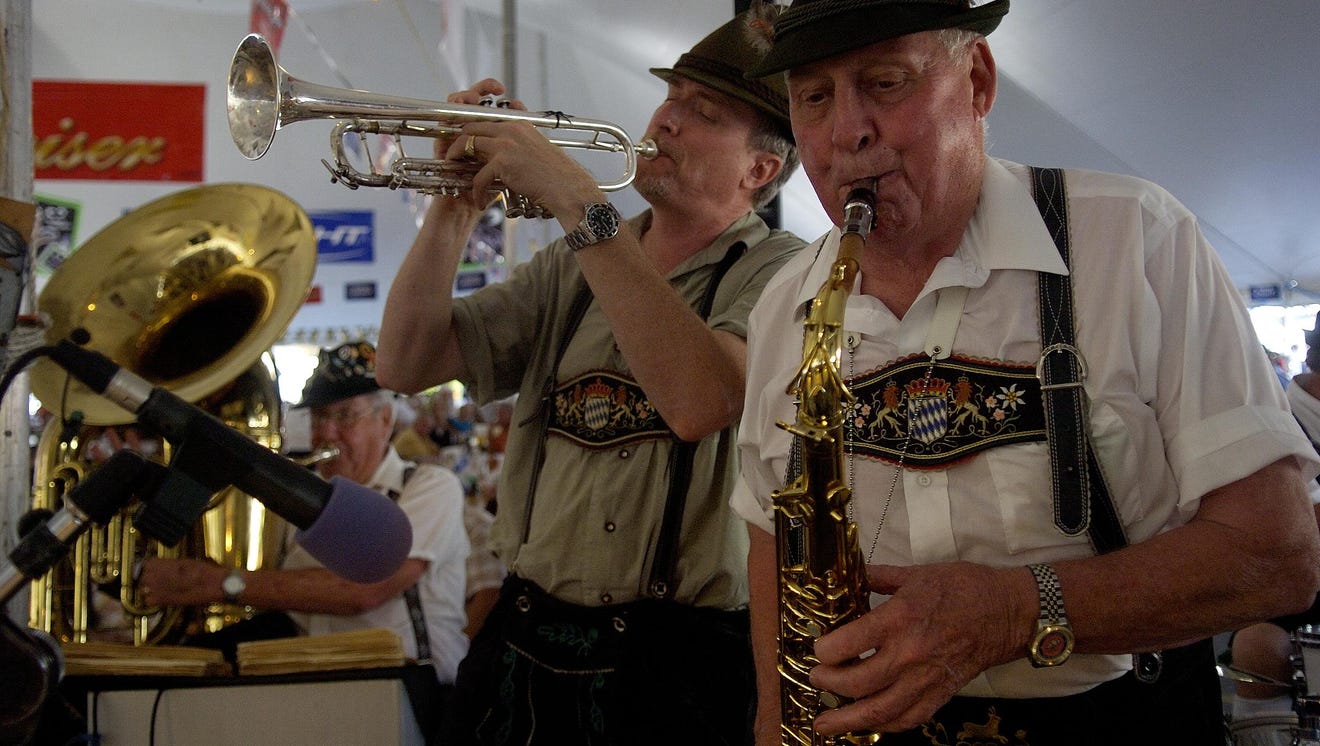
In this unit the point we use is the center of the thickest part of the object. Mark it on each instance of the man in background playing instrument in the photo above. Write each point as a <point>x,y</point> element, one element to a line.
<point>595,639</point>
<point>352,414</point>
<point>946,448</point>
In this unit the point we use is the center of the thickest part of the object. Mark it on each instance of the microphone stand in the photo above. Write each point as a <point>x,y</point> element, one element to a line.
<point>30,658</point>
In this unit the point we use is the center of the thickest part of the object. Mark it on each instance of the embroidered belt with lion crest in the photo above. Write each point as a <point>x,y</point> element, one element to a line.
<point>601,409</point>
<point>967,406</point>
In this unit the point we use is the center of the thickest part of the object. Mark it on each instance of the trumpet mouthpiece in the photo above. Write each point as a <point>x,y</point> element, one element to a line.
<point>648,149</point>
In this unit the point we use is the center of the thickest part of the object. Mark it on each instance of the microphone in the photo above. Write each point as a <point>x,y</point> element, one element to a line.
<point>355,532</point>
<point>45,537</point>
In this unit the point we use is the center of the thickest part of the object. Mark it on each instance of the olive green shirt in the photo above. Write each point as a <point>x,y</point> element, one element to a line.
<point>600,495</point>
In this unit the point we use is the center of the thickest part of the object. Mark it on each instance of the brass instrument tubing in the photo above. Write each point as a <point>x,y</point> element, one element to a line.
<point>317,456</point>
<point>822,577</point>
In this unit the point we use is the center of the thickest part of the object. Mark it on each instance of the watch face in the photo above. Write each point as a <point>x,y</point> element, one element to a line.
<point>602,220</point>
<point>233,585</point>
<point>1052,646</point>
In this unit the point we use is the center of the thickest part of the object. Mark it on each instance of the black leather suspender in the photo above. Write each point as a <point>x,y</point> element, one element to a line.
<point>1081,498</point>
<point>661,581</point>
<point>412,597</point>
<point>681,454</point>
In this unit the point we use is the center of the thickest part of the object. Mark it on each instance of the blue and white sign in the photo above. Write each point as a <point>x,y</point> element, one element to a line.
<point>344,235</point>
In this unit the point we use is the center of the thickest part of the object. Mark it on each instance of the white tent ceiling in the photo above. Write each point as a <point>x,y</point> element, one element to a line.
<point>1217,101</point>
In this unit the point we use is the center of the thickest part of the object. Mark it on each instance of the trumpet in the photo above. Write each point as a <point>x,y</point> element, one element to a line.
<point>325,453</point>
<point>263,97</point>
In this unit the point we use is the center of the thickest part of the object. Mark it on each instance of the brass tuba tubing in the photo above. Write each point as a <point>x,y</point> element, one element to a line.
<point>263,97</point>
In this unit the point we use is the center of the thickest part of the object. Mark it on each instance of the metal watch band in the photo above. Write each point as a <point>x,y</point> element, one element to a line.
<point>1051,595</point>
<point>600,222</point>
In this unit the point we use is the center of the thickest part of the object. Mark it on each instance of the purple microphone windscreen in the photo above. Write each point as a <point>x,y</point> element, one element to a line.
<point>360,535</point>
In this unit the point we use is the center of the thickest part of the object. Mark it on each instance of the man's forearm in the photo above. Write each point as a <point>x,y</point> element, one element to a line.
<point>417,348</point>
<point>1250,553</point>
<point>692,374</point>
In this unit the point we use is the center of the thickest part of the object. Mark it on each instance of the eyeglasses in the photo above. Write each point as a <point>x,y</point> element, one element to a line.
<point>340,418</point>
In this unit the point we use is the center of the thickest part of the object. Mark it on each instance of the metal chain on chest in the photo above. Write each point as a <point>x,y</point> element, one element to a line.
<point>850,446</point>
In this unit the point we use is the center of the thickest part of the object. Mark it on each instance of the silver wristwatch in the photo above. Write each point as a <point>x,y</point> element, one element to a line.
<point>1053,641</point>
<point>600,223</point>
<point>233,585</point>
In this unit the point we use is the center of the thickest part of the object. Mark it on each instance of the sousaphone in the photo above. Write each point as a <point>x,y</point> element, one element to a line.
<point>189,292</point>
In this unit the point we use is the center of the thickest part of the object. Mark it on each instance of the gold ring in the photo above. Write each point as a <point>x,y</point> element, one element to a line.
<point>470,149</point>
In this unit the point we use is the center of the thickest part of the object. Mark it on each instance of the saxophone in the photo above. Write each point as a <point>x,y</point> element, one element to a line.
<point>822,580</point>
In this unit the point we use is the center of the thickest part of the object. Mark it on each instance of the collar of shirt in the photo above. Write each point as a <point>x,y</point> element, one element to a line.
<point>1005,232</point>
<point>389,474</point>
<point>749,228</point>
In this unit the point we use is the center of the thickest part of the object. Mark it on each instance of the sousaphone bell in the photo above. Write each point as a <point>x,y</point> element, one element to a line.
<point>189,292</point>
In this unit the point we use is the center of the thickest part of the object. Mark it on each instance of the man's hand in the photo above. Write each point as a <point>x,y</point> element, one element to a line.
<point>516,156</point>
<point>943,625</point>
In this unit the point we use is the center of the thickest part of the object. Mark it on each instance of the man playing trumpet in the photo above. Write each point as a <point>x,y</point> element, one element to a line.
<point>626,562</point>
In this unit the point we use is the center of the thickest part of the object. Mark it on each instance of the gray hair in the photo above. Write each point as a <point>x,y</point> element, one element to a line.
<point>957,40</point>
<point>384,398</point>
<point>767,135</point>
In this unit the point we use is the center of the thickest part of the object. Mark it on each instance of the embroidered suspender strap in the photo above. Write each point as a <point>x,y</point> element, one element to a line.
<point>681,454</point>
<point>1081,498</point>
<point>412,598</point>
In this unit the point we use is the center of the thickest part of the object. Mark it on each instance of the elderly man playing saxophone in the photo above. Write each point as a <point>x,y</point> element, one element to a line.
<point>1013,610</point>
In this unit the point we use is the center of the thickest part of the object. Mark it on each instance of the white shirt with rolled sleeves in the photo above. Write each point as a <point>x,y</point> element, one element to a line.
<point>433,501</point>
<point>1182,400</point>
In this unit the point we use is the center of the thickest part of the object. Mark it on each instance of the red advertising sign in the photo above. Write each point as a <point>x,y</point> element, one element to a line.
<point>268,19</point>
<point>118,131</point>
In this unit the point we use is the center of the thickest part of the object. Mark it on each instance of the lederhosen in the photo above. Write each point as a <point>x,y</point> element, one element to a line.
<point>1168,698</point>
<point>546,671</point>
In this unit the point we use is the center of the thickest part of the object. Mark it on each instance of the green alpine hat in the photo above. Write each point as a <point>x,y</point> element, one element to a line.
<point>722,60</point>
<point>813,30</point>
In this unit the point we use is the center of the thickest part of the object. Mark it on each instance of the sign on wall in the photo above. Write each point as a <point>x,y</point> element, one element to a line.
<point>57,232</point>
<point>118,131</point>
<point>344,235</point>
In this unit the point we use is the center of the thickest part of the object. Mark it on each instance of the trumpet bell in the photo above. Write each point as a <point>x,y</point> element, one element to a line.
<point>185,291</point>
<point>263,97</point>
<point>254,97</point>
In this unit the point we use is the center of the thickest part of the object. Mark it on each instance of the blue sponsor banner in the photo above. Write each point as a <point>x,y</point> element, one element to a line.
<point>344,235</point>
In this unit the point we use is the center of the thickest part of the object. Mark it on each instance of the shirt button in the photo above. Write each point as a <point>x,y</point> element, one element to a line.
<point>625,453</point>
<point>606,598</point>
<point>923,480</point>
<point>609,526</point>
